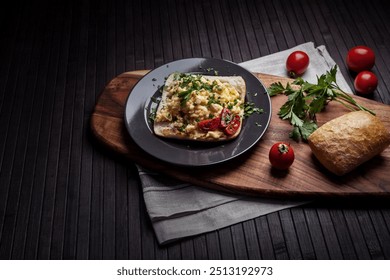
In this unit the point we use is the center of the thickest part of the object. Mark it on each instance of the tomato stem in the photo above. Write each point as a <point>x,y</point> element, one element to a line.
<point>283,148</point>
<point>292,74</point>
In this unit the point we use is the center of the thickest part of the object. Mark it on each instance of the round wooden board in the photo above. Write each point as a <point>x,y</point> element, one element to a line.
<point>251,172</point>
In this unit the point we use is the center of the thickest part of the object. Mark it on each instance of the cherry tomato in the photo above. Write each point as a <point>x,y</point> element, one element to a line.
<point>226,117</point>
<point>281,155</point>
<point>366,82</point>
<point>209,124</point>
<point>360,58</point>
<point>297,63</point>
<point>233,126</point>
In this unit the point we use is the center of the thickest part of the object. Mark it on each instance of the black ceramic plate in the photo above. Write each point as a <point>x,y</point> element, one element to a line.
<point>141,103</point>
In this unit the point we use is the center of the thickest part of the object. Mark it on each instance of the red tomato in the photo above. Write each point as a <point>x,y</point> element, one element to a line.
<point>360,58</point>
<point>365,82</point>
<point>209,124</point>
<point>281,155</point>
<point>233,126</point>
<point>226,117</point>
<point>297,63</point>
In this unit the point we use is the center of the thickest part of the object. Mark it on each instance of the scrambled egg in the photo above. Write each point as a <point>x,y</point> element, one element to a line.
<point>190,99</point>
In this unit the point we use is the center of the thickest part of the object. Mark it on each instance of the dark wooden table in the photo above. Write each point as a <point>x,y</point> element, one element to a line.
<point>63,196</point>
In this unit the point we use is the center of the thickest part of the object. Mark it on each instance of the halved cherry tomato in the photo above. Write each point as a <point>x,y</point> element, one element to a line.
<point>365,82</point>
<point>281,155</point>
<point>233,126</point>
<point>209,124</point>
<point>297,63</point>
<point>226,117</point>
<point>360,58</point>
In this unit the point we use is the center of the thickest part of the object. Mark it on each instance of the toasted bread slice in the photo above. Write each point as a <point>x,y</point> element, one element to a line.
<point>187,100</point>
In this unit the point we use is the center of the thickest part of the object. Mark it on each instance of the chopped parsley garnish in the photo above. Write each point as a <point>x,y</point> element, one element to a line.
<point>191,83</point>
<point>153,107</point>
<point>213,100</point>
<point>152,114</point>
<point>250,108</point>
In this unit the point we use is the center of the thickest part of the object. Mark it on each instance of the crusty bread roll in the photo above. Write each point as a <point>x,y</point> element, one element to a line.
<point>344,143</point>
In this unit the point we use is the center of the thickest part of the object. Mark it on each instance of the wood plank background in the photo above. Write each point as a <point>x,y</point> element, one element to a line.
<point>62,196</point>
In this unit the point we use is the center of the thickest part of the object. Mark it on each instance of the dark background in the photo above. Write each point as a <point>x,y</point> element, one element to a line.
<point>62,196</point>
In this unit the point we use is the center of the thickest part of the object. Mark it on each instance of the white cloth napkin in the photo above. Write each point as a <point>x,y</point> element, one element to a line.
<point>320,62</point>
<point>178,209</point>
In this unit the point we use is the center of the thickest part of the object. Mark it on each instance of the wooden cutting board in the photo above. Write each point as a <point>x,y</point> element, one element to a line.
<point>250,173</point>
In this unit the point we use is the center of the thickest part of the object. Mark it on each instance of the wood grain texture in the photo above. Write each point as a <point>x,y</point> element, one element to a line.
<point>250,173</point>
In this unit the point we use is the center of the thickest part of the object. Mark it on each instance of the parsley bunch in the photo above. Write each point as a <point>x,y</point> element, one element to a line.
<point>306,100</point>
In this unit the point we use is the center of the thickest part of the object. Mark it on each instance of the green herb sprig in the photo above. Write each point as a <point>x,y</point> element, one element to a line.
<point>307,99</point>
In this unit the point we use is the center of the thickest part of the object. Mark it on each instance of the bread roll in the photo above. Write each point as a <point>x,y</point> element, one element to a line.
<point>344,143</point>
